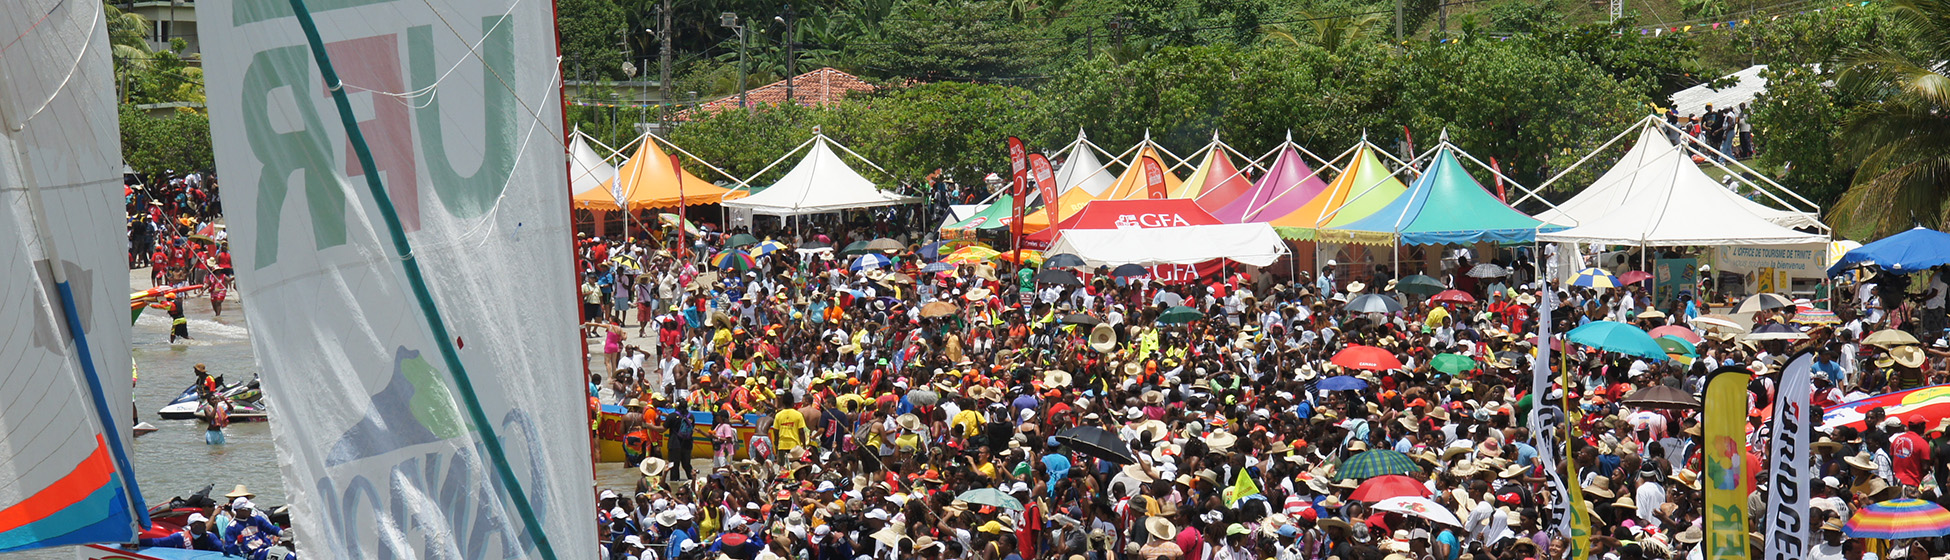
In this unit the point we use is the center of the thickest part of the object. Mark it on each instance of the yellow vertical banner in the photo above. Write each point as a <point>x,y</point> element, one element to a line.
<point>1577,518</point>
<point>1726,464</point>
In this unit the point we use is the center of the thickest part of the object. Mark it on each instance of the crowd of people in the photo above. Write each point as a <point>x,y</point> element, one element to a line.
<point>931,409</point>
<point>174,230</point>
<point>1726,129</point>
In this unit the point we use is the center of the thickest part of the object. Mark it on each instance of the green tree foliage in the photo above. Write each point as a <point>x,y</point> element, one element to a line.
<point>953,39</point>
<point>591,39</point>
<point>1535,110</point>
<point>1899,136</point>
<point>179,141</point>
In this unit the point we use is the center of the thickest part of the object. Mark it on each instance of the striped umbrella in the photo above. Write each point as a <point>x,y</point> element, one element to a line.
<point>1376,462</point>
<point>1907,518</point>
<point>766,248</point>
<point>1596,279</point>
<point>871,260</point>
<point>734,260</point>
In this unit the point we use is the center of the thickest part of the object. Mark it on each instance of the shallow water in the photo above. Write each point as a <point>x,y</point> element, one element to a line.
<point>174,461</point>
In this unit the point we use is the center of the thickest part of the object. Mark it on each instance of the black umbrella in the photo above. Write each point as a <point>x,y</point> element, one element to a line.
<point>1660,396</point>
<point>1129,270</point>
<point>1063,260</point>
<point>1058,277</point>
<point>1096,442</point>
<point>1081,319</point>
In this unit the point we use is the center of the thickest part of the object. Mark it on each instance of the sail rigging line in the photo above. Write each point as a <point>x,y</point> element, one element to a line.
<point>430,89</point>
<point>31,26</point>
<point>487,220</point>
<point>490,440</point>
<point>100,12</point>
<point>84,354</point>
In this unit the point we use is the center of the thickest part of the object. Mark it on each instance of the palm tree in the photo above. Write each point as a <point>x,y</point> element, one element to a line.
<point>1330,33</point>
<point>1901,136</point>
<point>128,43</point>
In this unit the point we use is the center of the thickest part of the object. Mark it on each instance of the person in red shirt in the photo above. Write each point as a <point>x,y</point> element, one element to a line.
<point>1909,453</point>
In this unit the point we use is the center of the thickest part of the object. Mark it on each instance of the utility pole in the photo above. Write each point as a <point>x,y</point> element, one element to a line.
<point>791,44</point>
<point>1398,22</point>
<point>663,68</point>
<point>730,20</point>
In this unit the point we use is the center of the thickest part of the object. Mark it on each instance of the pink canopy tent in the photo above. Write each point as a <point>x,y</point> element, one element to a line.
<point>1285,187</point>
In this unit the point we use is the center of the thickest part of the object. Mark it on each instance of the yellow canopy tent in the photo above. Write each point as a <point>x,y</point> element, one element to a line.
<point>1366,186</point>
<point>648,181</point>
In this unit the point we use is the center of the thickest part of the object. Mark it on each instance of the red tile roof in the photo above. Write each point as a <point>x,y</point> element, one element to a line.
<point>817,88</point>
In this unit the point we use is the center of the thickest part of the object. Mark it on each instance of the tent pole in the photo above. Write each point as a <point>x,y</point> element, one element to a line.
<point>688,154</point>
<point>745,183</point>
<point>1762,176</point>
<point>1587,157</point>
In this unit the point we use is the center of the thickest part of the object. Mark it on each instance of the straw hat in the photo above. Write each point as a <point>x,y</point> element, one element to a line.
<point>1600,487</point>
<point>652,466</point>
<point>1153,397</point>
<point>240,491</point>
<point>1160,528</point>
<point>1136,472</point>
<point>1692,535</point>
<point>1356,287</point>
<point>912,423</point>
<point>1907,356</point>
<point>1103,338</point>
<point>977,294</point>
<point>1056,378</point>
<point>1220,440</point>
<point>1330,522</point>
<point>1625,502</point>
<point>1686,477</point>
<point>1861,461</point>
<point>1827,445</point>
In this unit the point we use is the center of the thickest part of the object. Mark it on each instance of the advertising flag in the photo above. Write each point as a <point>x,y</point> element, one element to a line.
<point>1786,524</point>
<point>1154,179</point>
<point>1725,483</point>
<point>1045,182</point>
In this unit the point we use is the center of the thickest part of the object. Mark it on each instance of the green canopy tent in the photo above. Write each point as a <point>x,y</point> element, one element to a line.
<point>995,215</point>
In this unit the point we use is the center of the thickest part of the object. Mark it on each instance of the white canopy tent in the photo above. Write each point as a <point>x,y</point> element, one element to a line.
<point>587,168</point>
<point>1254,244</point>
<point>1082,170</point>
<point>1657,197</point>
<point>820,183</point>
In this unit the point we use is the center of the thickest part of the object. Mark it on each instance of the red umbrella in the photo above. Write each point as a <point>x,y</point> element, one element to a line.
<point>1452,296</point>
<point>1634,277</point>
<point>1676,331</point>
<point>1389,486</point>
<point>1366,357</point>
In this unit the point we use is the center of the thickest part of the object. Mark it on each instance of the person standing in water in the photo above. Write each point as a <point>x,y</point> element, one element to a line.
<point>179,326</point>
<point>215,414</point>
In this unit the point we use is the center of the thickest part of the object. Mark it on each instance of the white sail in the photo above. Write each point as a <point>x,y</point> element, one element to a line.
<point>64,476</point>
<point>383,452</point>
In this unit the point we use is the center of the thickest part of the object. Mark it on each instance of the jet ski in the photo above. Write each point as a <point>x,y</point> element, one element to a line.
<point>246,398</point>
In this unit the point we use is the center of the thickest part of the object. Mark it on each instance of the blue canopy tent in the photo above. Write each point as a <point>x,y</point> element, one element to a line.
<point>1909,251</point>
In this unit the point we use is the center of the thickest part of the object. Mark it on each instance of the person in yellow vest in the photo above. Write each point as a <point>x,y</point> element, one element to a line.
<point>788,427</point>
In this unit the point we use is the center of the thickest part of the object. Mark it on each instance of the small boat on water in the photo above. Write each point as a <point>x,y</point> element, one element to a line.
<point>246,401</point>
<point>144,428</point>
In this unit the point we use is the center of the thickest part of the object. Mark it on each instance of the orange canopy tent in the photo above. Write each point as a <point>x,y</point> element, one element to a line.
<point>648,181</point>
<point>1129,186</point>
